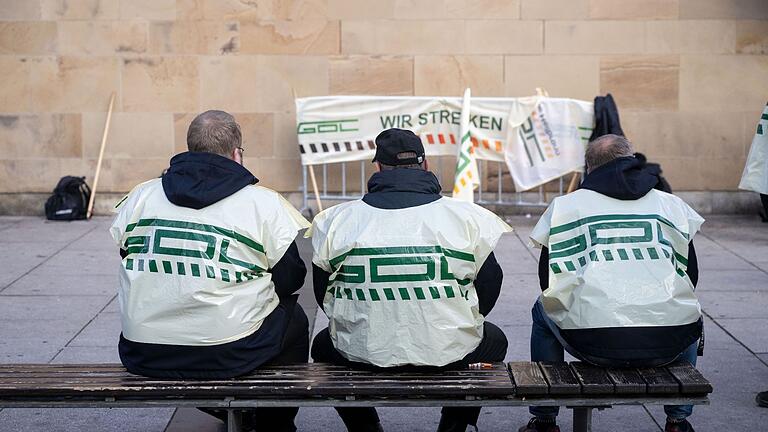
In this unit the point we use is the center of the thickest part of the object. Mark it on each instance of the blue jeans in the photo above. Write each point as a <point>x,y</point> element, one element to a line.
<point>547,345</point>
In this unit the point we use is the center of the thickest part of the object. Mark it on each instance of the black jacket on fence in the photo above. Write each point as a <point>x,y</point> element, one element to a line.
<point>197,180</point>
<point>606,117</point>
<point>628,178</point>
<point>404,188</point>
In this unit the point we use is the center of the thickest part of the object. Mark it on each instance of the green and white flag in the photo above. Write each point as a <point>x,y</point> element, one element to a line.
<point>467,178</point>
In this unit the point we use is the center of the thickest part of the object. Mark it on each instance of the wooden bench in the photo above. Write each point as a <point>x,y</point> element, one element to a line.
<point>576,385</point>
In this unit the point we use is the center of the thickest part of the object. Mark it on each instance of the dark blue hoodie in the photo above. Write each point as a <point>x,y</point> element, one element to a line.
<point>197,180</point>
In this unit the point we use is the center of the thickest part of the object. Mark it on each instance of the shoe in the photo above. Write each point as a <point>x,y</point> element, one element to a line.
<point>678,426</point>
<point>762,399</point>
<point>536,426</point>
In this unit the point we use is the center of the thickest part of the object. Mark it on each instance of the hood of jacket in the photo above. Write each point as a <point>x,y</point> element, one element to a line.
<point>402,188</point>
<point>625,178</point>
<point>197,180</point>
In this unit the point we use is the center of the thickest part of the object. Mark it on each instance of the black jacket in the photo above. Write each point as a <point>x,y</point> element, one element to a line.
<point>606,117</point>
<point>197,180</point>
<point>404,188</point>
<point>628,178</point>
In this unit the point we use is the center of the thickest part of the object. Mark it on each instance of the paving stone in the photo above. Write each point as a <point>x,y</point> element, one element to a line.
<point>40,284</point>
<point>88,354</point>
<point>77,420</point>
<point>750,331</point>
<point>188,419</point>
<point>82,262</point>
<point>103,331</point>
<point>732,280</point>
<point>45,308</point>
<point>30,340</point>
<point>39,230</point>
<point>734,304</point>
<point>17,261</point>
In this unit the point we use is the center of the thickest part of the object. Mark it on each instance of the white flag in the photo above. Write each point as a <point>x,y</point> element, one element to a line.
<point>467,177</point>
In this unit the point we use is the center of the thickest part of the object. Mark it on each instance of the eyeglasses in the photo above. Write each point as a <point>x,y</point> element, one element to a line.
<point>242,150</point>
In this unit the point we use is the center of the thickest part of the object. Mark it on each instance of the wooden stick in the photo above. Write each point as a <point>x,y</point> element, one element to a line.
<point>101,157</point>
<point>574,183</point>
<point>314,187</point>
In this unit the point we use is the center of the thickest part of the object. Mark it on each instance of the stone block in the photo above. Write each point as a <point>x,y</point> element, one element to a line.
<point>131,135</point>
<point>641,82</point>
<point>751,37</point>
<point>290,37</point>
<point>251,10</point>
<point>504,37</point>
<point>194,37</point>
<point>261,83</point>
<point>15,10</point>
<point>721,173</point>
<point>405,37</point>
<point>683,173</point>
<point>361,9</point>
<point>723,9</point>
<point>554,9</point>
<point>285,141</point>
<point>374,75</point>
<point>450,75</point>
<point>722,83</point>
<point>688,36</point>
<point>79,9</point>
<point>73,84</point>
<point>127,173</point>
<point>282,175</point>
<point>148,9</point>
<point>168,84</point>
<point>44,135</point>
<point>451,9</point>
<point>28,37</point>
<point>633,9</point>
<point>102,37</point>
<point>15,98</point>
<point>561,76</point>
<point>681,134</point>
<point>292,9</point>
<point>594,37</point>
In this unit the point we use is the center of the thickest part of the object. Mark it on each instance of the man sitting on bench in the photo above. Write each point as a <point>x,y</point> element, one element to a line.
<point>406,277</point>
<point>617,271</point>
<point>210,268</point>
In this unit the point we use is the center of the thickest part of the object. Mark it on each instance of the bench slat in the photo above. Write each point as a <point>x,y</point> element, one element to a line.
<point>690,379</point>
<point>560,377</point>
<point>659,380</point>
<point>593,379</point>
<point>627,381</point>
<point>528,379</point>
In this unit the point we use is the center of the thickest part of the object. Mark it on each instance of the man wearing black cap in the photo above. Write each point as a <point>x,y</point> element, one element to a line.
<point>406,277</point>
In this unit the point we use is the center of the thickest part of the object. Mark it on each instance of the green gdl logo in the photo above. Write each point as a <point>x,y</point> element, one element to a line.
<point>328,126</point>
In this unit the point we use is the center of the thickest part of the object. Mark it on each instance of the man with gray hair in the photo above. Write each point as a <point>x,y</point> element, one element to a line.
<point>210,268</point>
<point>617,272</point>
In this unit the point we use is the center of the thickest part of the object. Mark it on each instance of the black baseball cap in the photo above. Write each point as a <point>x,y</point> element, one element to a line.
<point>392,142</point>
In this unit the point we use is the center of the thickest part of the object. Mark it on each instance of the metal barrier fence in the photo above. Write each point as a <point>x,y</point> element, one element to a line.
<point>483,195</point>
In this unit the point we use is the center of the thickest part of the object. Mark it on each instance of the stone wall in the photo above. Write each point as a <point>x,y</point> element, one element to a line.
<point>690,76</point>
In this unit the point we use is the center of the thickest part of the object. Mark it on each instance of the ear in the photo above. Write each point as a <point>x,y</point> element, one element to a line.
<point>236,156</point>
<point>426,165</point>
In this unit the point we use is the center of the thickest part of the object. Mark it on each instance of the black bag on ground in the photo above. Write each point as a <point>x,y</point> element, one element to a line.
<point>69,200</point>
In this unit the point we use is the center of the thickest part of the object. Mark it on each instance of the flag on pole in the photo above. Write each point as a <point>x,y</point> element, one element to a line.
<point>467,177</point>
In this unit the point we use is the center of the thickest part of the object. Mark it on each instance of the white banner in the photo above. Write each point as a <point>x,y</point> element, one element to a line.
<point>755,176</point>
<point>343,129</point>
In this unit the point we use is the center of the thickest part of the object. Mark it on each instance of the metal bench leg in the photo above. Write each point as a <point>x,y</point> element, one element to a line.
<point>582,419</point>
<point>234,420</point>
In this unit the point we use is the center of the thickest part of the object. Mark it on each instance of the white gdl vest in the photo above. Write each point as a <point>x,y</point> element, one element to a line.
<point>401,290</point>
<point>618,263</point>
<point>200,277</point>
